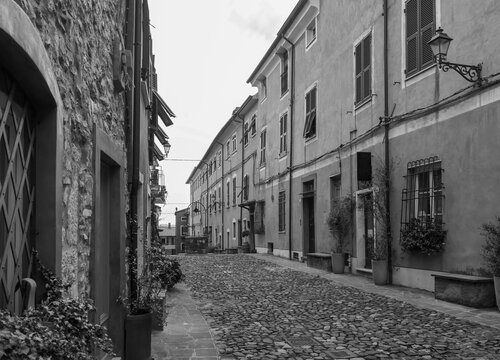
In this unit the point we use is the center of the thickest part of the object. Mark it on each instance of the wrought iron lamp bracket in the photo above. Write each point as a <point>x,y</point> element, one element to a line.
<point>471,73</point>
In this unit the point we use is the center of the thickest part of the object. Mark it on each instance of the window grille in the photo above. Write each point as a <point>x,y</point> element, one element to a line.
<point>281,211</point>
<point>420,27</point>
<point>423,196</point>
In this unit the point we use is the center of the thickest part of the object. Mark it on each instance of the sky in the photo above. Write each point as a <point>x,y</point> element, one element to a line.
<point>205,50</point>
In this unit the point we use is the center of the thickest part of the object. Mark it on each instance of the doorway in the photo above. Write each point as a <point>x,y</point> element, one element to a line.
<point>309,217</point>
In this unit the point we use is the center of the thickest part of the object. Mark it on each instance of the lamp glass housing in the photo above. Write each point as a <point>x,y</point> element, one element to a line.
<point>439,44</point>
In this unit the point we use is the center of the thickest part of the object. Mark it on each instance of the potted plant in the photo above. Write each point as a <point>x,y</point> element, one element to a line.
<point>58,328</point>
<point>339,222</point>
<point>423,236</point>
<point>491,253</point>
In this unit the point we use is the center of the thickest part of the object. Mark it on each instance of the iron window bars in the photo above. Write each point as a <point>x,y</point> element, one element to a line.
<point>423,197</point>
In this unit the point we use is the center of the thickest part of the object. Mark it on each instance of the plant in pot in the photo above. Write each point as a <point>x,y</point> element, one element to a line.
<point>339,222</point>
<point>491,253</point>
<point>423,236</point>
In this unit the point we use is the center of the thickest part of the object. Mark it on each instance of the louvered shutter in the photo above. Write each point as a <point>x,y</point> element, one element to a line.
<point>367,42</point>
<point>359,73</point>
<point>427,30</point>
<point>412,31</point>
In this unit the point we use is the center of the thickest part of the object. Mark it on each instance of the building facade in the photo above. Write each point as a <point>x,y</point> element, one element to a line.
<point>350,90</point>
<point>75,122</point>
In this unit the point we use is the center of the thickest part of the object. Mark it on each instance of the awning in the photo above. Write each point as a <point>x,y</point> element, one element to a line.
<point>158,153</point>
<point>161,135</point>
<point>163,110</point>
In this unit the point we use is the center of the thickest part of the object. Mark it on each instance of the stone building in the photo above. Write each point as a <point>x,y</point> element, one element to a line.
<point>77,101</point>
<point>350,90</point>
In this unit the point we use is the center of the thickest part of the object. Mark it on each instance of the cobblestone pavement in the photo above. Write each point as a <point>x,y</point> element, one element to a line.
<point>260,310</point>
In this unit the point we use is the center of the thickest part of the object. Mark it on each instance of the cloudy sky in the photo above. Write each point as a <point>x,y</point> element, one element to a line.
<point>205,51</point>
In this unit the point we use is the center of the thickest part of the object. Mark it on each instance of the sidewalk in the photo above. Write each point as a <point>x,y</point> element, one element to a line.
<point>187,335</point>
<point>420,298</point>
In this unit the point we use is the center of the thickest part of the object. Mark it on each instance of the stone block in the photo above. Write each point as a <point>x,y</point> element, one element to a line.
<point>473,291</point>
<point>320,261</point>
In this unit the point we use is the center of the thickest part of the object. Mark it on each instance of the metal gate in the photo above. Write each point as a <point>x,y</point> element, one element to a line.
<point>17,191</point>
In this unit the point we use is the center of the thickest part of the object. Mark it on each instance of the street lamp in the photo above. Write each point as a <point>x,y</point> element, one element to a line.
<point>439,44</point>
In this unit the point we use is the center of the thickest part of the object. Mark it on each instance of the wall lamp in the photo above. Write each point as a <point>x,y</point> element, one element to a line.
<point>439,44</point>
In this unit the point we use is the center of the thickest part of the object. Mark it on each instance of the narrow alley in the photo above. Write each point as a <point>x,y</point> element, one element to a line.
<point>264,307</point>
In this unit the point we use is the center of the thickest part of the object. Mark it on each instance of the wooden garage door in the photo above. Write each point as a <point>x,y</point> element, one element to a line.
<point>17,191</point>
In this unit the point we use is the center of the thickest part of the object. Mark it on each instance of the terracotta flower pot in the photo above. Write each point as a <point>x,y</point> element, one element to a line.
<point>338,263</point>
<point>138,337</point>
<point>380,272</point>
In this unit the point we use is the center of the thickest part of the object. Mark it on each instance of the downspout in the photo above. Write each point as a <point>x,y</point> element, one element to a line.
<point>290,168</point>
<point>135,145</point>
<point>222,196</point>
<point>387,155</point>
<point>242,176</point>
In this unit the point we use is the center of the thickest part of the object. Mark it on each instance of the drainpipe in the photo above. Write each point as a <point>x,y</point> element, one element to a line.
<point>222,195</point>
<point>387,155</point>
<point>135,142</point>
<point>290,168</point>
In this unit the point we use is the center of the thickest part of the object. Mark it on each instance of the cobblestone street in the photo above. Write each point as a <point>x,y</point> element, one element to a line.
<point>261,310</point>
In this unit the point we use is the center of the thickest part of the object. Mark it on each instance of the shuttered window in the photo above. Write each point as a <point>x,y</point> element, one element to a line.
<point>310,124</point>
<point>263,147</point>
<point>363,69</point>
<point>281,211</point>
<point>420,27</point>
<point>283,128</point>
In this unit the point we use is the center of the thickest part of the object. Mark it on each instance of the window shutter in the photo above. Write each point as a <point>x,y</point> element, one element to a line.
<point>359,72</point>
<point>412,29</point>
<point>367,42</point>
<point>427,30</point>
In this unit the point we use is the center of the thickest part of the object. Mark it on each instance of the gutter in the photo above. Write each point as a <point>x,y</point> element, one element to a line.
<point>387,154</point>
<point>290,168</point>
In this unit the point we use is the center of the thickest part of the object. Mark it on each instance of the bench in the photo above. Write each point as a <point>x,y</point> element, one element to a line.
<point>320,261</point>
<point>468,290</point>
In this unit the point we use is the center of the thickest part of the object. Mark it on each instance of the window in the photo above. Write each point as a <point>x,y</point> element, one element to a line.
<point>220,199</point>
<point>245,133</point>
<point>246,184</point>
<point>228,196</point>
<point>233,140</point>
<point>423,197</point>
<point>219,155</point>
<point>284,72</point>
<point>363,69</point>
<point>281,211</point>
<point>311,32</point>
<point>334,189</point>
<point>228,149</point>
<point>253,128</point>
<point>215,163</point>
<point>234,191</point>
<point>263,88</point>
<point>420,27</point>
<point>283,128</point>
<point>310,125</point>
<point>263,147</point>
<point>234,229</point>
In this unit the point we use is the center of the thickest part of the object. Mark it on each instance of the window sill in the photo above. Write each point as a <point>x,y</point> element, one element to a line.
<point>264,99</point>
<point>361,104</point>
<point>311,139</point>
<point>282,232</point>
<point>262,166</point>
<point>311,43</point>
<point>283,156</point>
<point>283,95</point>
<point>420,75</point>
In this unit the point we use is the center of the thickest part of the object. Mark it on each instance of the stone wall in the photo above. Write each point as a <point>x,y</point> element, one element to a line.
<point>78,37</point>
